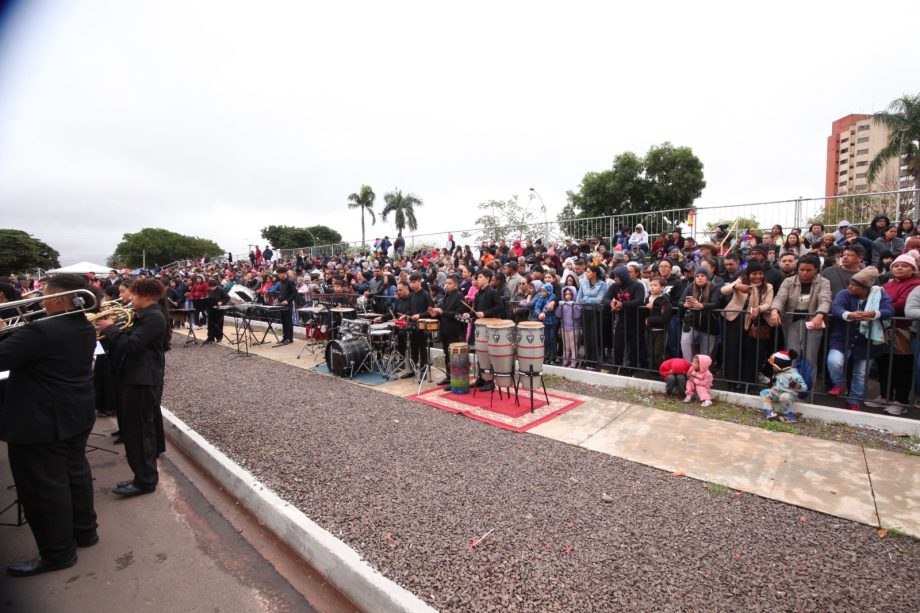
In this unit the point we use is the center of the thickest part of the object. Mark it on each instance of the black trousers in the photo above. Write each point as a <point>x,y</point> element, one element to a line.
<point>447,339</point>
<point>417,348</point>
<point>54,483</point>
<point>215,324</point>
<point>287,324</point>
<point>139,432</point>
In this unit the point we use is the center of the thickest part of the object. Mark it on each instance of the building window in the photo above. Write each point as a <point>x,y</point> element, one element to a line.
<point>863,128</point>
<point>844,150</point>
<point>862,152</point>
<point>843,172</point>
<point>844,139</point>
<point>842,184</point>
<point>862,139</point>
<point>843,161</point>
<point>862,188</point>
<point>861,175</point>
<point>863,163</point>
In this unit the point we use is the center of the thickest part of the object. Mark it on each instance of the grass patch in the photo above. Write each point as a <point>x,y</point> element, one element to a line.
<point>775,426</point>
<point>894,533</point>
<point>717,489</point>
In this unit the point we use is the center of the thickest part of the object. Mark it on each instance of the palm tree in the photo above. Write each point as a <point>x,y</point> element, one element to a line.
<point>903,121</point>
<point>363,200</point>
<point>404,208</point>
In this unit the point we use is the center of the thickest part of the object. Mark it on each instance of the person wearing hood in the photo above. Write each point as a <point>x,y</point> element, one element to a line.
<point>842,226</point>
<point>626,295</point>
<point>570,315</point>
<point>877,228</point>
<point>699,380</point>
<point>851,237</point>
<point>546,314</point>
<point>859,336</point>
<point>639,238</point>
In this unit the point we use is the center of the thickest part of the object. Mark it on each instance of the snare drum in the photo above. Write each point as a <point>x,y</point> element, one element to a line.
<point>340,314</point>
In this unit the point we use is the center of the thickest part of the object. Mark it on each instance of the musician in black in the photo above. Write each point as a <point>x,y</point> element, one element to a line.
<point>286,296</point>
<point>139,353</point>
<point>486,304</point>
<point>217,296</point>
<point>48,412</point>
<point>419,303</point>
<point>450,312</point>
<point>400,308</point>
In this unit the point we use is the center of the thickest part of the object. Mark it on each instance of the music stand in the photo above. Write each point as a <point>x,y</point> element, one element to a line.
<point>190,338</point>
<point>90,448</point>
<point>270,311</point>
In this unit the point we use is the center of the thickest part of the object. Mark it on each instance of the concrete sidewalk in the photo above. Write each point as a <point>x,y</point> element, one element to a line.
<point>878,488</point>
<point>170,551</point>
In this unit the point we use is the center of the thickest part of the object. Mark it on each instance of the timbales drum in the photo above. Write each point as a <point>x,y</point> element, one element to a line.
<point>502,334</point>
<point>459,362</point>
<point>429,325</point>
<point>346,357</point>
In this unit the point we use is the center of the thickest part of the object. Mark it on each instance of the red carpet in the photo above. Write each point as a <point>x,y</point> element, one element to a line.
<point>503,413</point>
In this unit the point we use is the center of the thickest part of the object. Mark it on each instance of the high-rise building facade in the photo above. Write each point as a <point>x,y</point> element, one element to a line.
<point>853,144</point>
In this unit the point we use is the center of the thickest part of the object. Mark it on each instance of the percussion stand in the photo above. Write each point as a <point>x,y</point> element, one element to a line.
<point>530,375</point>
<point>90,448</point>
<point>426,372</point>
<point>312,341</point>
<point>240,329</point>
<point>271,320</point>
<point>20,516</point>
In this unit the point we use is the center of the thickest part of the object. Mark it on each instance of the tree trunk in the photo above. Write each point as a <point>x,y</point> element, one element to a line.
<point>363,243</point>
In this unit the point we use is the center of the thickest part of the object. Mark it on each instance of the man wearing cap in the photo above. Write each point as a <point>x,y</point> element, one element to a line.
<point>859,336</point>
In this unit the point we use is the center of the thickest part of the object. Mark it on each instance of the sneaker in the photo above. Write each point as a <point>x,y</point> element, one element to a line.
<point>706,403</point>
<point>895,408</point>
<point>878,402</point>
<point>768,414</point>
<point>688,398</point>
<point>852,406</point>
<point>837,390</point>
<point>790,418</point>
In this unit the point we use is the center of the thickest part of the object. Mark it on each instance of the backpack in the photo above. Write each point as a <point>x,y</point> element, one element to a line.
<point>805,369</point>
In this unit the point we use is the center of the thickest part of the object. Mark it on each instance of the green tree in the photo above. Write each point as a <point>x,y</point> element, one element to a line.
<point>363,200</point>
<point>21,252</point>
<point>668,177</point>
<point>403,209</point>
<point>507,219</point>
<point>902,118</point>
<point>161,247</point>
<point>290,237</point>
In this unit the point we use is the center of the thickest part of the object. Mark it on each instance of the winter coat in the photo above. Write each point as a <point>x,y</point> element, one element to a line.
<point>630,293</point>
<point>758,296</point>
<point>702,377</point>
<point>871,232</point>
<point>674,366</point>
<point>788,380</point>
<point>705,319</point>
<point>845,334</point>
<point>639,237</point>
<point>819,300</point>
<point>659,316</point>
<point>880,245</point>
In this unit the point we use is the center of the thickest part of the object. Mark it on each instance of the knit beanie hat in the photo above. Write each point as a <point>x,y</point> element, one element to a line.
<point>906,259</point>
<point>702,270</point>
<point>754,266</point>
<point>866,277</point>
<point>783,359</point>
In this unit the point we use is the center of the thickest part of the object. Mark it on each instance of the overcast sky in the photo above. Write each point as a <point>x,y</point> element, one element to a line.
<point>217,118</point>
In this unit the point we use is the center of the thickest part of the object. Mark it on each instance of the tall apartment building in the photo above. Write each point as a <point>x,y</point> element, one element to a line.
<point>851,147</point>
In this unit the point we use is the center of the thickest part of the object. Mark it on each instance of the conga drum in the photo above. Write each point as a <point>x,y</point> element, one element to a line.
<point>531,338</point>
<point>459,368</point>
<point>482,348</point>
<point>501,350</point>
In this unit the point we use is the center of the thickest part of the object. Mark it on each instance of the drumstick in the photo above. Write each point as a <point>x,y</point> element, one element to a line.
<point>467,305</point>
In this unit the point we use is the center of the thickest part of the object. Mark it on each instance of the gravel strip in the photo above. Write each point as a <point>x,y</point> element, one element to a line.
<point>409,486</point>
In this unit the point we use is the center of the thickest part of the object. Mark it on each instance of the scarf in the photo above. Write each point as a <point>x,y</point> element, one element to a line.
<point>874,333</point>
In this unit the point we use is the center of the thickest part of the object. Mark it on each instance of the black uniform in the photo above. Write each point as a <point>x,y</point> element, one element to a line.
<point>216,294</point>
<point>489,303</point>
<point>140,364</point>
<point>48,412</point>
<point>452,329</point>
<point>419,302</point>
<point>287,292</point>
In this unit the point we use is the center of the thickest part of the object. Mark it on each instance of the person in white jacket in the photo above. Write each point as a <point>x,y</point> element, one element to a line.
<point>639,238</point>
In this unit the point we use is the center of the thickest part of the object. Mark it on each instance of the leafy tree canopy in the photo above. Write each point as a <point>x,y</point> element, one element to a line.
<point>161,246</point>
<point>508,219</point>
<point>21,252</point>
<point>290,237</point>
<point>668,177</point>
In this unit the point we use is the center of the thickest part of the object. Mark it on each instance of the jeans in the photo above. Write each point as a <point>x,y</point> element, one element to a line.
<point>836,368</point>
<point>707,343</point>
<point>550,341</point>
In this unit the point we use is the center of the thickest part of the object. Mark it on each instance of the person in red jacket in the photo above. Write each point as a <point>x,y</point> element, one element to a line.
<point>895,366</point>
<point>197,293</point>
<point>674,372</point>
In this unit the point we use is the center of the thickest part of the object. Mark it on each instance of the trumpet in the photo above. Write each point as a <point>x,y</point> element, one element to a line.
<point>121,315</point>
<point>83,300</point>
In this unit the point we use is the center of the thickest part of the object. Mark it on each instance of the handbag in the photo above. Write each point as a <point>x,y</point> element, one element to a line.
<point>759,329</point>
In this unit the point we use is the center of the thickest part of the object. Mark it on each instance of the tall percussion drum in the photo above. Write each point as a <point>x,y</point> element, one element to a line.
<point>459,368</point>
<point>482,348</point>
<point>531,340</point>
<point>501,350</point>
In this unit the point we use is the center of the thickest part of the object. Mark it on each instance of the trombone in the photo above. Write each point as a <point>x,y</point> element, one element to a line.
<point>84,301</point>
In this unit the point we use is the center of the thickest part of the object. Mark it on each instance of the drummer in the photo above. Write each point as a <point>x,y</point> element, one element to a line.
<point>419,303</point>
<point>400,309</point>
<point>452,328</point>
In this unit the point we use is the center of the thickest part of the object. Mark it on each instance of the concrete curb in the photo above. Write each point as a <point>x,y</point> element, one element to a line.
<point>888,423</point>
<point>335,560</point>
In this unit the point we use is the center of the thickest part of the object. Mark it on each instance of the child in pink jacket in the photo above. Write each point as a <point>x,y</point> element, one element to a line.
<point>699,380</point>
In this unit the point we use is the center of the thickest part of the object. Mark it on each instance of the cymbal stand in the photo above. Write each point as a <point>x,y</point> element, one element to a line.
<point>314,344</point>
<point>426,372</point>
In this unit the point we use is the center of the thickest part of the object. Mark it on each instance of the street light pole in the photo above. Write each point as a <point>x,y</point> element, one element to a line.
<point>545,222</point>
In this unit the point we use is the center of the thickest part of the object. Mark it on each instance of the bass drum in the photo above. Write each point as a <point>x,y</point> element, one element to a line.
<point>345,357</point>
